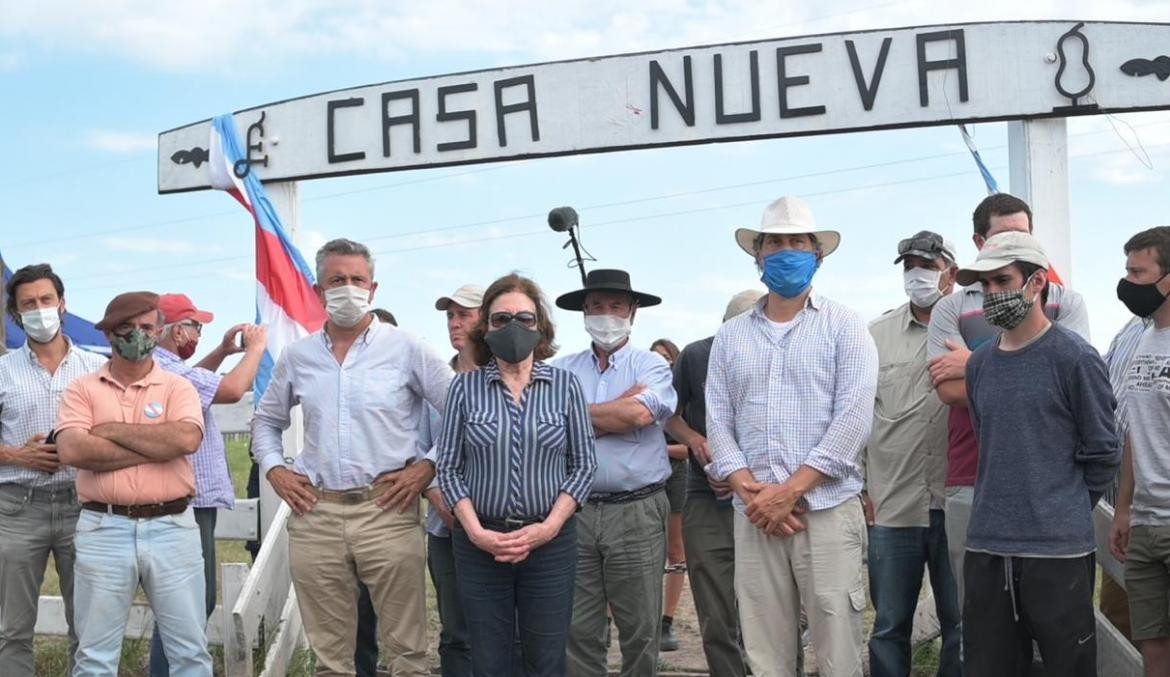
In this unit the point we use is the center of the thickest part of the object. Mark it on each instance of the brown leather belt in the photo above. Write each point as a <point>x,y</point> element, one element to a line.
<point>139,511</point>
<point>351,496</point>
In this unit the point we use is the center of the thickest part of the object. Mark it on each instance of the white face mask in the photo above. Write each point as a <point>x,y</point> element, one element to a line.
<point>607,331</point>
<point>922,286</point>
<point>346,306</point>
<point>41,325</point>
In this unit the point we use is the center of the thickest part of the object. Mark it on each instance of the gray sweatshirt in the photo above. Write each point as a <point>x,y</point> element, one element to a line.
<point>1043,416</point>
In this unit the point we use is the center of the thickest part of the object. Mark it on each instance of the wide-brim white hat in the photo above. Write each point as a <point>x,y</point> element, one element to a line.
<point>788,216</point>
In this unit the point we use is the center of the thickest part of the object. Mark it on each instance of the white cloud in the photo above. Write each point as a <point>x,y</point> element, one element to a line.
<point>121,142</point>
<point>196,37</point>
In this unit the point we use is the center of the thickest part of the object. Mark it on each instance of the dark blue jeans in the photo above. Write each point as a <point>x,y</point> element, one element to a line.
<point>205,518</point>
<point>454,650</point>
<point>897,557</point>
<point>536,594</point>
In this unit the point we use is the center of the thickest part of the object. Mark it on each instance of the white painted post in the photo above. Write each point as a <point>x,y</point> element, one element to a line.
<point>285,197</point>
<point>237,649</point>
<point>1038,157</point>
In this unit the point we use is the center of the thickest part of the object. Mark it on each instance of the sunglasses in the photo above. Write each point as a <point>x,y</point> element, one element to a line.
<point>501,319</point>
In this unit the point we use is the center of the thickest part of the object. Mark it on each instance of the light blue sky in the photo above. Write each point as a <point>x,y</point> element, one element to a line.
<point>87,86</point>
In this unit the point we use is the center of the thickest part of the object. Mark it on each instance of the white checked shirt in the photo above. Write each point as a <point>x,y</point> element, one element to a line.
<point>29,397</point>
<point>801,393</point>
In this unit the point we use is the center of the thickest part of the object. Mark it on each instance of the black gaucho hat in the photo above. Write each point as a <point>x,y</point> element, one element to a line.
<point>605,280</point>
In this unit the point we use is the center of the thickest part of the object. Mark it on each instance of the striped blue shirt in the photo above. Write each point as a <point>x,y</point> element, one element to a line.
<point>513,460</point>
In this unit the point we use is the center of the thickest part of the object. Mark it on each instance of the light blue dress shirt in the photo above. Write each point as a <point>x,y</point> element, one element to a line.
<point>362,416</point>
<point>633,460</point>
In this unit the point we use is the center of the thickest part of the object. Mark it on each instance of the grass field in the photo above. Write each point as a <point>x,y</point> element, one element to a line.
<point>52,651</point>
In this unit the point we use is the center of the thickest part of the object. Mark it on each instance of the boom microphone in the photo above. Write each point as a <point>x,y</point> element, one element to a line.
<point>562,219</point>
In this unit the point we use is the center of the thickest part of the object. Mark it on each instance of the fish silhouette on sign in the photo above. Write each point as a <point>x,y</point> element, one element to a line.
<point>1158,66</point>
<point>196,156</point>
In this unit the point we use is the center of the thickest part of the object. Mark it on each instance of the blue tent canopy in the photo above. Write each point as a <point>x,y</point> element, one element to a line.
<point>79,330</point>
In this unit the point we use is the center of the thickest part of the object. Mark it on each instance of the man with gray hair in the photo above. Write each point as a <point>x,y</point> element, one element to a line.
<point>354,490</point>
<point>707,525</point>
<point>905,463</point>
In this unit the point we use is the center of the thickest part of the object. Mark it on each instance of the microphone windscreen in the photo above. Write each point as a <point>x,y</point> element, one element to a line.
<point>562,219</point>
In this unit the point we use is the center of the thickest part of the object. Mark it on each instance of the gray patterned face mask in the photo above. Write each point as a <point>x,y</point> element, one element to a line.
<point>1007,309</point>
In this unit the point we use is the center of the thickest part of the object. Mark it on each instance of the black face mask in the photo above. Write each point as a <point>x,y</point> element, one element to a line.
<point>514,343</point>
<point>1141,299</point>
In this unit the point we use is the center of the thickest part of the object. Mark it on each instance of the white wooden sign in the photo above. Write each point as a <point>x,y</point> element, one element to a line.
<point>821,84</point>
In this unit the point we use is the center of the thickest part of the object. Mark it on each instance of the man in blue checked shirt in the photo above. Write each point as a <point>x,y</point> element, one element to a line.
<point>790,393</point>
<point>213,479</point>
<point>631,396</point>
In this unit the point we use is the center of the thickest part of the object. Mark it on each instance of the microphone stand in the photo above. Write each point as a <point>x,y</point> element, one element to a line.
<point>576,253</point>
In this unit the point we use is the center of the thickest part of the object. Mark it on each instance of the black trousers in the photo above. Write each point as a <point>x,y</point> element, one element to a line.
<point>1011,601</point>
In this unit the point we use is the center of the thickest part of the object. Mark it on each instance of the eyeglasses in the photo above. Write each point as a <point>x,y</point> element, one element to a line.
<point>194,325</point>
<point>525,318</point>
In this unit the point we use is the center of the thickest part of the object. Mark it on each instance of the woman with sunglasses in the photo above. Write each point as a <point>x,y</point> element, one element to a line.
<point>515,460</point>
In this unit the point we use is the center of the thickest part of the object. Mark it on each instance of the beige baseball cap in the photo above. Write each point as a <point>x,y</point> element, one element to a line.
<point>742,302</point>
<point>468,296</point>
<point>1002,250</point>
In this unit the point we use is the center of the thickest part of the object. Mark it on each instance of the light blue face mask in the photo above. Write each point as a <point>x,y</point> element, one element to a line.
<point>789,272</point>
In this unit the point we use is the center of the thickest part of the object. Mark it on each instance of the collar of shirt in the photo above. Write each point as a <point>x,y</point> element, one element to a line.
<point>540,371</point>
<point>364,338</point>
<point>153,378</point>
<point>616,358</point>
<point>29,355</point>
<point>910,320</point>
<point>813,301</point>
<point>163,357</point>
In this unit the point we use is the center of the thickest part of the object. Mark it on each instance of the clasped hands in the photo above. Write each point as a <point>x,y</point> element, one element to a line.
<point>774,509</point>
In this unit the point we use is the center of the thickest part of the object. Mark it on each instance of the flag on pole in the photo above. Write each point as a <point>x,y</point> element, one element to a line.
<point>285,301</point>
<point>988,179</point>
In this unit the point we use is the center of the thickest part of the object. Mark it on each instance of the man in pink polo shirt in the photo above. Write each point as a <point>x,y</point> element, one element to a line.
<point>130,429</point>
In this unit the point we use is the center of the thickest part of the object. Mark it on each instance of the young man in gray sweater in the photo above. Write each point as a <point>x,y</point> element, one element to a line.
<point>1042,408</point>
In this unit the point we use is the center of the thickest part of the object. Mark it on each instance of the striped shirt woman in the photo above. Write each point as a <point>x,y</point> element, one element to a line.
<point>515,462</point>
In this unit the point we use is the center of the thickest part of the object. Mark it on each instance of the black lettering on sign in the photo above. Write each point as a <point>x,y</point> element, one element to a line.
<point>959,62</point>
<point>411,118</point>
<point>868,92</point>
<point>450,116</point>
<point>783,82</point>
<point>331,109</point>
<point>529,104</point>
<point>754,116</point>
<point>658,77</point>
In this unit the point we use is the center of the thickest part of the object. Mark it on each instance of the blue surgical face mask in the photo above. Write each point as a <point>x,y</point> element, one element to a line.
<point>789,272</point>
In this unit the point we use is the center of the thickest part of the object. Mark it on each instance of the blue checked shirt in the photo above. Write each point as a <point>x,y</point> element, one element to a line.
<point>29,397</point>
<point>213,479</point>
<point>514,460</point>
<point>628,461</point>
<point>801,393</point>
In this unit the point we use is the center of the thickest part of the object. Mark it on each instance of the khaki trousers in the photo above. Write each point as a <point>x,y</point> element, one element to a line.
<point>334,546</point>
<point>819,568</point>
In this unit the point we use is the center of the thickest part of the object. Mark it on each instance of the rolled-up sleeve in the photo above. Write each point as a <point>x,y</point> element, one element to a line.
<point>659,396</point>
<point>856,384</point>
<point>727,457</point>
<point>272,418</point>
<point>581,461</point>
<point>449,450</point>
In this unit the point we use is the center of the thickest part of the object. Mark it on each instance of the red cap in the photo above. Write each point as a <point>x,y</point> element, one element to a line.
<point>178,307</point>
